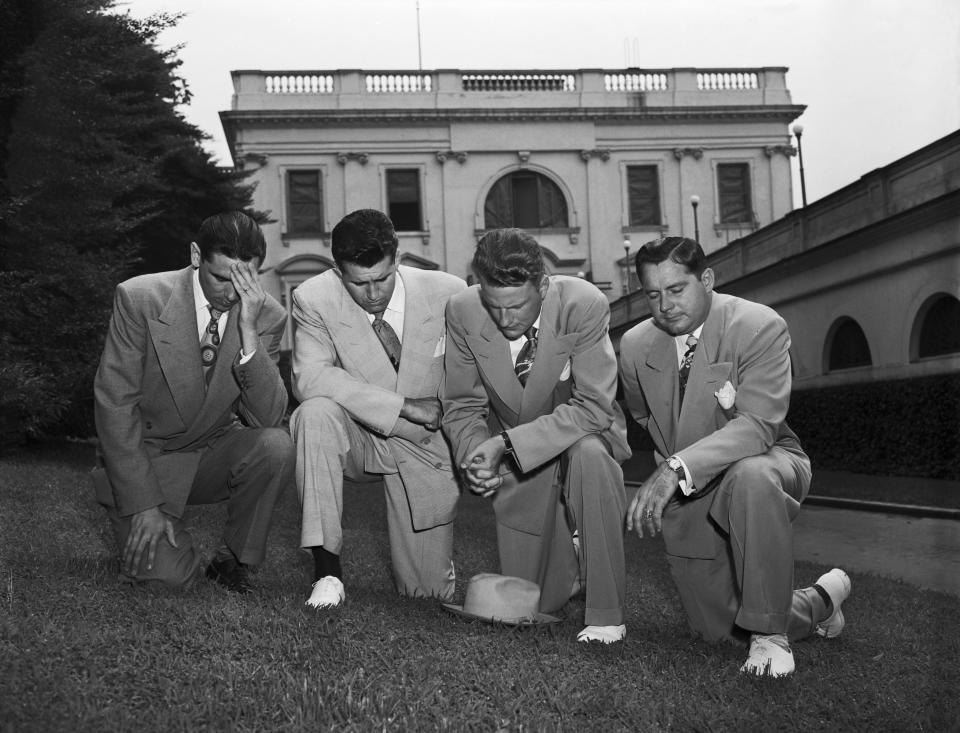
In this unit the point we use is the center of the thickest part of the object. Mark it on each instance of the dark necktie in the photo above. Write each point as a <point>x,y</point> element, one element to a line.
<point>388,337</point>
<point>209,344</point>
<point>685,364</point>
<point>528,353</point>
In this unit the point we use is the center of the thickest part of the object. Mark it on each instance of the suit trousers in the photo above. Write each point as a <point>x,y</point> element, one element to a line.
<point>248,468</point>
<point>591,482</point>
<point>748,587</point>
<point>331,445</point>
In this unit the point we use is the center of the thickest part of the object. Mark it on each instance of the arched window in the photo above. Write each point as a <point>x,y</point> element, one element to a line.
<point>936,332</point>
<point>847,346</point>
<point>527,200</point>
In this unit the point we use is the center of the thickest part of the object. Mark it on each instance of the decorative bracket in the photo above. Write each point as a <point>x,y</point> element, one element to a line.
<point>260,159</point>
<point>444,155</point>
<point>697,153</point>
<point>772,150</point>
<point>602,153</point>
<point>361,158</point>
<point>524,156</point>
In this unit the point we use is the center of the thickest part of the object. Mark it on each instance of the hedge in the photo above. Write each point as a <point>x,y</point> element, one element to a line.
<point>908,427</point>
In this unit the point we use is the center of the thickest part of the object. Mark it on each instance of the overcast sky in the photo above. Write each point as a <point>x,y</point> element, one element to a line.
<point>879,78</point>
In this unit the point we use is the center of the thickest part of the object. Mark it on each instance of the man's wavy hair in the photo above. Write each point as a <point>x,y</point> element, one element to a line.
<point>508,258</point>
<point>364,237</point>
<point>680,250</point>
<point>233,234</point>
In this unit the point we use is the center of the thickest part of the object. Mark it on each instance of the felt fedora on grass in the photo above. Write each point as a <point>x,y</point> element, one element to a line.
<point>502,599</point>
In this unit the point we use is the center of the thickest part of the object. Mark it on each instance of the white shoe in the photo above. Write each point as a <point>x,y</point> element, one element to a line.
<point>838,586</point>
<point>603,634</point>
<point>770,656</point>
<point>327,592</point>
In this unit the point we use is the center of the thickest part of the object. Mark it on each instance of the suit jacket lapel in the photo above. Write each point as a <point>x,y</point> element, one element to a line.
<point>553,351</point>
<point>660,385</point>
<point>420,337</point>
<point>707,376</point>
<point>492,352</point>
<point>177,344</point>
<point>360,341</point>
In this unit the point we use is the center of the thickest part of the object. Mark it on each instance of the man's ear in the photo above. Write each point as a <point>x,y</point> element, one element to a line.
<point>544,284</point>
<point>195,255</point>
<point>707,279</point>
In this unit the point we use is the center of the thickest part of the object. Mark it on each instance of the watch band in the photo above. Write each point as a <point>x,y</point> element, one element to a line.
<point>506,442</point>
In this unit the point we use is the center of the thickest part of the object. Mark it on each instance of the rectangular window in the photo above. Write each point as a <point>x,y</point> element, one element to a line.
<point>304,202</point>
<point>403,199</point>
<point>643,192</point>
<point>733,193</point>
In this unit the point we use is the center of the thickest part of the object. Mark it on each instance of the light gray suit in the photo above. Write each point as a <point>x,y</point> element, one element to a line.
<point>568,434</point>
<point>166,439</point>
<point>730,545</point>
<point>349,423</point>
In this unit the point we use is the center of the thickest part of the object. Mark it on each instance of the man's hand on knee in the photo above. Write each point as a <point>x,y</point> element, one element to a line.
<point>646,509</point>
<point>146,529</point>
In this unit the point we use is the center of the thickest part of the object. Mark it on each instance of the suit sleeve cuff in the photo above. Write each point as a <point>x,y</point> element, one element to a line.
<point>686,483</point>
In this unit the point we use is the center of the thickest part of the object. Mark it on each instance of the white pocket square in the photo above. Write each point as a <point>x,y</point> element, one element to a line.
<point>441,346</point>
<point>565,374</point>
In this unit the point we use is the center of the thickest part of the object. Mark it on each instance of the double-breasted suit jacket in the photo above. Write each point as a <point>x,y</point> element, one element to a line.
<point>338,356</point>
<point>569,393</point>
<point>153,411</point>
<point>746,344</point>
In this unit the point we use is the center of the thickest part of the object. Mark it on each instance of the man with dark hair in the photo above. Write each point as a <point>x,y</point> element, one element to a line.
<point>708,377</point>
<point>188,402</point>
<point>530,409</point>
<point>367,365</point>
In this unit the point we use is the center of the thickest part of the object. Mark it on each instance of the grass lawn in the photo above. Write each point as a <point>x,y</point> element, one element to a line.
<point>81,652</point>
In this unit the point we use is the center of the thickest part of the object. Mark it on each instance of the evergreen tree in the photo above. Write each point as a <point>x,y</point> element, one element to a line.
<point>101,178</point>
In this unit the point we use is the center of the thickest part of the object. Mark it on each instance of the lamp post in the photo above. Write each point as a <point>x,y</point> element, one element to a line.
<point>626,265</point>
<point>695,202</point>
<point>798,131</point>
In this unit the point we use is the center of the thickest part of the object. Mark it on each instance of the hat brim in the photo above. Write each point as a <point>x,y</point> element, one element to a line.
<point>536,619</point>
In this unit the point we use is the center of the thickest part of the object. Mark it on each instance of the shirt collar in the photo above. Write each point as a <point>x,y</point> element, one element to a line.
<point>199,299</point>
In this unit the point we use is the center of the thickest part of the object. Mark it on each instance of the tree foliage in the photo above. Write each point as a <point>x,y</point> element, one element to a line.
<point>101,178</point>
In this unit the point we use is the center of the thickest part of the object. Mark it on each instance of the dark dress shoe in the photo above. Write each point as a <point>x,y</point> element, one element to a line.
<point>230,574</point>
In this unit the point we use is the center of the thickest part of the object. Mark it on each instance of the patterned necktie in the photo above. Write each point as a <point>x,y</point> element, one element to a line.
<point>685,364</point>
<point>388,337</point>
<point>528,353</point>
<point>209,344</point>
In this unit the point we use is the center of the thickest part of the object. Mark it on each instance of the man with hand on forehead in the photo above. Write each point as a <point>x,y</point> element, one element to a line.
<point>188,403</point>
<point>708,377</point>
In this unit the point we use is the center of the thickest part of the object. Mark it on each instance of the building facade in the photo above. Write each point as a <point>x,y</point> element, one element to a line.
<point>867,278</point>
<point>592,162</point>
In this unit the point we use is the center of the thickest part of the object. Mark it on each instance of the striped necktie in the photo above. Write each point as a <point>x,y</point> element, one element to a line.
<point>685,364</point>
<point>528,353</point>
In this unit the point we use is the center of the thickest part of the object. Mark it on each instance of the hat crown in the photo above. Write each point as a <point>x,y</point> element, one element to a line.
<point>501,598</point>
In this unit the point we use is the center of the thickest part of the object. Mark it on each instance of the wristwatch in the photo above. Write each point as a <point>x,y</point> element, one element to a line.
<point>507,443</point>
<point>675,465</point>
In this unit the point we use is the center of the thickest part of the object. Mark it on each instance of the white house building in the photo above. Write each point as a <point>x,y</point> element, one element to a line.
<point>592,162</point>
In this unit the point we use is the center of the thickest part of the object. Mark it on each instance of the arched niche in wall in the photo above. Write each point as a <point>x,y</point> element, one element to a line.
<point>526,199</point>
<point>936,328</point>
<point>846,346</point>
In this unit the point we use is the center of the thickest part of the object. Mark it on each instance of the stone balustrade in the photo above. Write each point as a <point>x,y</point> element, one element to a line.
<point>447,88</point>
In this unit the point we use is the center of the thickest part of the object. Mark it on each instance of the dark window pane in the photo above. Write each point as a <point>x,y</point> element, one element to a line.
<point>526,207</point>
<point>403,200</point>
<point>940,331</point>
<point>305,202</point>
<point>733,190</point>
<point>527,200</point>
<point>848,347</point>
<point>643,192</point>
